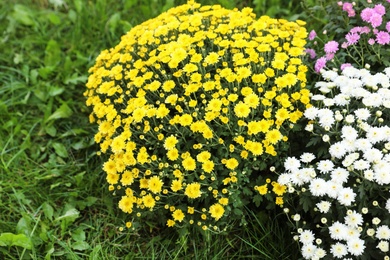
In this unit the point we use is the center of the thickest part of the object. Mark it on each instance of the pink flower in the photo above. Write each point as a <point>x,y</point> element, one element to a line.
<point>376,20</point>
<point>320,64</point>
<point>371,41</point>
<point>329,56</point>
<point>380,9</point>
<point>311,52</point>
<point>312,35</point>
<point>331,47</point>
<point>388,26</point>
<point>345,65</point>
<point>365,29</point>
<point>366,14</point>
<point>352,38</point>
<point>383,38</point>
<point>348,7</point>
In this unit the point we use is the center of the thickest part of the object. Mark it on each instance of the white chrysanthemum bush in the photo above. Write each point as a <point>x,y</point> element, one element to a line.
<point>191,107</point>
<point>342,207</point>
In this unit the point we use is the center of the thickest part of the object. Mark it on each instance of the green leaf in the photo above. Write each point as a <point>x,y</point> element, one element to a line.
<point>48,210</point>
<point>45,72</point>
<point>22,14</point>
<point>52,54</point>
<point>78,5</point>
<point>55,91</point>
<point>70,215</point>
<point>62,112</point>
<point>78,235</point>
<point>60,150</point>
<point>80,245</point>
<point>24,226</point>
<point>9,239</point>
<point>54,18</point>
<point>75,78</point>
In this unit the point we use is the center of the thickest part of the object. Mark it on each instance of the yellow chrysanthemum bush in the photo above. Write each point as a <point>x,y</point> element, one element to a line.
<point>191,107</point>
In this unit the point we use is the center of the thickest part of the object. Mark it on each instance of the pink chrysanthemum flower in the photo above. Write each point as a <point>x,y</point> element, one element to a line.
<point>312,35</point>
<point>352,38</point>
<point>345,65</point>
<point>366,14</point>
<point>348,7</point>
<point>331,47</point>
<point>380,9</point>
<point>383,38</point>
<point>311,52</point>
<point>376,20</point>
<point>388,26</point>
<point>371,41</point>
<point>320,64</point>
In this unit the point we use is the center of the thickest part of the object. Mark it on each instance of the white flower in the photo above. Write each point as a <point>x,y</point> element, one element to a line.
<point>383,246</point>
<point>362,113</point>
<point>320,253</point>
<point>284,179</point>
<point>361,164</point>
<point>297,217</point>
<point>325,166</point>
<point>311,113</point>
<point>362,144</point>
<point>356,246</point>
<point>341,100</point>
<point>338,250</point>
<point>349,133</point>
<point>382,175</point>
<point>333,188</point>
<point>372,100</point>
<point>318,97</point>
<point>382,79</point>
<point>338,231</point>
<point>307,157</point>
<point>375,134</point>
<point>323,206</point>
<point>346,196</point>
<point>308,251</point>
<point>388,205</point>
<point>326,118</point>
<point>329,75</point>
<point>339,175</point>
<point>318,187</point>
<point>337,150</point>
<point>383,232</point>
<point>350,158</point>
<point>376,221</point>
<point>370,232</point>
<point>354,219</point>
<point>292,164</point>
<point>309,127</point>
<point>325,138</point>
<point>372,155</point>
<point>328,102</point>
<point>306,237</point>
<point>349,119</point>
<point>369,175</point>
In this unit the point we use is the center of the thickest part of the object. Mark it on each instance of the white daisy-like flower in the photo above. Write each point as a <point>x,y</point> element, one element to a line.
<point>350,159</point>
<point>284,178</point>
<point>309,127</point>
<point>338,231</point>
<point>353,219</point>
<point>338,250</point>
<point>362,113</point>
<point>326,117</point>
<point>356,246</point>
<point>292,164</point>
<point>323,206</point>
<point>307,157</point>
<point>318,97</point>
<point>383,246</point>
<point>349,119</point>
<point>328,102</point>
<point>382,79</point>
<point>383,232</point>
<point>369,175</point>
<point>337,150</point>
<point>386,103</point>
<point>325,166</point>
<point>318,187</point>
<point>351,72</point>
<point>388,205</point>
<point>329,75</point>
<point>307,174</point>
<point>319,253</point>
<point>361,165</point>
<point>346,196</point>
<point>373,155</point>
<point>349,133</point>
<point>306,237</point>
<point>382,175</point>
<point>341,100</point>
<point>311,113</point>
<point>376,134</point>
<point>362,144</point>
<point>372,100</point>
<point>339,175</point>
<point>333,188</point>
<point>308,251</point>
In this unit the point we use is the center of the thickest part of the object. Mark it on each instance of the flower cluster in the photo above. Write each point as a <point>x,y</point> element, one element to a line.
<point>362,40</point>
<point>345,191</point>
<point>190,104</point>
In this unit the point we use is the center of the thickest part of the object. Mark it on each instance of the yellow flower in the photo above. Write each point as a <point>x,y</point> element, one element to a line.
<point>231,163</point>
<point>279,201</point>
<point>208,166</point>
<point>216,211</point>
<point>252,100</point>
<point>148,201</point>
<point>170,142</point>
<point>126,204</point>
<point>278,189</point>
<point>127,178</point>
<point>189,164</point>
<point>241,109</point>
<point>155,184</point>
<point>273,136</point>
<point>193,190</point>
<point>176,185</point>
<point>173,154</point>
<point>263,189</point>
<point>203,156</point>
<point>178,215</point>
<point>223,201</point>
<point>211,58</point>
<point>186,120</point>
<point>170,223</point>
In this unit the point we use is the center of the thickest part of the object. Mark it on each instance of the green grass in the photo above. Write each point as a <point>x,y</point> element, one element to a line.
<point>54,200</point>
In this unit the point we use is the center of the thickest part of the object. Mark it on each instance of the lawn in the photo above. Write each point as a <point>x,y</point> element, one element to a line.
<point>54,199</point>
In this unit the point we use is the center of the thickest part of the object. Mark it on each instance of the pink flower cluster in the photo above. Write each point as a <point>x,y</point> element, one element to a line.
<point>348,7</point>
